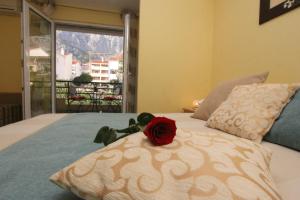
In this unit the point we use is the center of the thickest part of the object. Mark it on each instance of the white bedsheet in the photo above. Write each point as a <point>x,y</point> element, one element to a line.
<point>285,164</point>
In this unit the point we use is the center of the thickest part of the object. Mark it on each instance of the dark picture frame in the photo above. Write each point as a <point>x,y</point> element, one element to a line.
<point>267,13</point>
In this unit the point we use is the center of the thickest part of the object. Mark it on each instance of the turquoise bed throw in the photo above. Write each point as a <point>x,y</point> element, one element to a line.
<point>26,166</point>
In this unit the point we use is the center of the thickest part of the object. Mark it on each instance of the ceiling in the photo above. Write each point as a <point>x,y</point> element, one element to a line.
<point>108,5</point>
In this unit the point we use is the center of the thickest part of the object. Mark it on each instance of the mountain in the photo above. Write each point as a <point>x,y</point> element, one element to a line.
<point>80,44</point>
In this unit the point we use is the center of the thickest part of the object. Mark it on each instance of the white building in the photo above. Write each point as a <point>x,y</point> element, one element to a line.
<point>99,70</point>
<point>76,68</point>
<point>116,67</point>
<point>63,65</point>
<point>102,71</point>
<point>85,68</point>
<point>113,68</point>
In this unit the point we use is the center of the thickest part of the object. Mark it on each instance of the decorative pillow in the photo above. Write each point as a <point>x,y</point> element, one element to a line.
<point>220,94</point>
<point>286,129</point>
<point>250,110</point>
<point>195,166</point>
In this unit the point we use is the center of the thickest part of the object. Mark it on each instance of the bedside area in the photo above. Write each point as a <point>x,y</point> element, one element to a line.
<point>189,109</point>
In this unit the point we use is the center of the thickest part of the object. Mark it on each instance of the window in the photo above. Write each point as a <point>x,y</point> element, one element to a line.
<point>86,50</point>
<point>104,78</point>
<point>95,71</point>
<point>95,65</point>
<point>82,50</point>
<point>113,71</point>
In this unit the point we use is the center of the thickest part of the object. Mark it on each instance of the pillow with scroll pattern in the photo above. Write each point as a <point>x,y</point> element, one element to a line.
<point>250,110</point>
<point>197,165</point>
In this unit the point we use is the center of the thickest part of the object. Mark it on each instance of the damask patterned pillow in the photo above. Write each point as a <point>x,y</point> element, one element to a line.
<point>250,110</point>
<point>197,165</point>
<point>221,92</point>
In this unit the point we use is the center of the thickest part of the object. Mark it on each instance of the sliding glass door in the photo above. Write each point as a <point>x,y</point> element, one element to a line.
<point>38,62</point>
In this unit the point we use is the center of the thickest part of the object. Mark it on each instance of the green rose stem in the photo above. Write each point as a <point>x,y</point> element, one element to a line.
<point>123,136</point>
<point>134,128</point>
<point>107,135</point>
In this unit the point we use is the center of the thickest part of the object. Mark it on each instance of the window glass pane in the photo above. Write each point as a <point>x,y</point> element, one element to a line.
<point>40,64</point>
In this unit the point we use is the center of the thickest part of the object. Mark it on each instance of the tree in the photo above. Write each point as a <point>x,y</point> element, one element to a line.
<point>83,78</point>
<point>114,81</point>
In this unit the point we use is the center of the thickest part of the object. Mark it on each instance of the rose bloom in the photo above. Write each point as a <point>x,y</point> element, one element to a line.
<point>160,131</point>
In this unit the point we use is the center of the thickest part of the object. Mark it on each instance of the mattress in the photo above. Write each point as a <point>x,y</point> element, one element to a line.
<point>285,163</point>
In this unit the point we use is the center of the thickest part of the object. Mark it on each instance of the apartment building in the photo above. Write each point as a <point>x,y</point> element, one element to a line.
<point>99,70</point>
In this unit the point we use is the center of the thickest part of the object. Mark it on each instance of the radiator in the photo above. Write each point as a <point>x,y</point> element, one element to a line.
<point>10,113</point>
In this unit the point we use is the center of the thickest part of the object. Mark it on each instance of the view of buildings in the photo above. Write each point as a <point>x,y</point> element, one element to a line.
<point>100,56</point>
<point>103,70</point>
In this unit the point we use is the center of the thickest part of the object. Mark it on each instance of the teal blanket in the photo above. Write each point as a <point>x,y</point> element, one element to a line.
<point>26,166</point>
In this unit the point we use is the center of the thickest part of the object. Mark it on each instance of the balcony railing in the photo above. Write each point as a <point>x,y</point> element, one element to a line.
<point>88,97</point>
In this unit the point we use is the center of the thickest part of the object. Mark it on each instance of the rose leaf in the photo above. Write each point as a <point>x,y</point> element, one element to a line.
<point>100,134</point>
<point>110,137</point>
<point>132,122</point>
<point>144,118</point>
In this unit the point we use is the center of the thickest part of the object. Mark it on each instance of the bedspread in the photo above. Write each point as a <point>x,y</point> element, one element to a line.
<point>27,165</point>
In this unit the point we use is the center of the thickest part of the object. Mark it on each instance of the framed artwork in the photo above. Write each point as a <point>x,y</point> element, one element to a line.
<point>270,9</point>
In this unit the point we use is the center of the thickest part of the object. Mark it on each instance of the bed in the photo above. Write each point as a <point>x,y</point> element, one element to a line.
<point>33,149</point>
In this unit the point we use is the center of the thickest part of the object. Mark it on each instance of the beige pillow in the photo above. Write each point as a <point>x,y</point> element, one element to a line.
<point>250,110</point>
<point>221,92</point>
<point>197,165</point>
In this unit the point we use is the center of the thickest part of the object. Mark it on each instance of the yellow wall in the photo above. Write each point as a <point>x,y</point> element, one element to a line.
<point>10,54</point>
<point>242,47</point>
<point>87,16</point>
<point>175,53</point>
<point>176,60</point>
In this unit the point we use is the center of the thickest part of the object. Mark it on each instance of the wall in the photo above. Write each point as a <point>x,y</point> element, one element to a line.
<point>176,40</point>
<point>242,47</point>
<point>175,53</point>
<point>87,16</point>
<point>10,54</point>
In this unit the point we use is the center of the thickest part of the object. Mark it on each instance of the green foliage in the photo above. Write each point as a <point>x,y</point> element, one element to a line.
<point>144,118</point>
<point>114,81</point>
<point>101,133</point>
<point>107,135</point>
<point>132,122</point>
<point>83,78</point>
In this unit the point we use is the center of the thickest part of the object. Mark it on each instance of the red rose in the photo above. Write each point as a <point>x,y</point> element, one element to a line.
<point>160,131</point>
